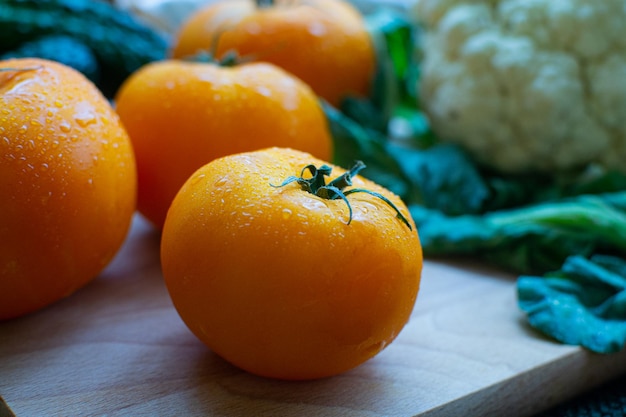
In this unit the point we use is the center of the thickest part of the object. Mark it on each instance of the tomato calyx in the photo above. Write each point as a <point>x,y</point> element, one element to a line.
<point>229,59</point>
<point>335,189</point>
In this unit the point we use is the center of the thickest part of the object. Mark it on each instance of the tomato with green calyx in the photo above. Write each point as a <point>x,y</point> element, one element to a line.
<point>181,115</point>
<point>285,274</point>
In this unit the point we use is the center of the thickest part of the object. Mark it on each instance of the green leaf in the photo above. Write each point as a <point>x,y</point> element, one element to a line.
<point>392,35</point>
<point>583,303</point>
<point>531,239</point>
<point>394,38</point>
<point>411,125</point>
<point>353,142</point>
<point>444,178</point>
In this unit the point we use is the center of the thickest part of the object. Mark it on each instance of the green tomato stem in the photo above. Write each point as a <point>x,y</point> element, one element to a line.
<point>334,190</point>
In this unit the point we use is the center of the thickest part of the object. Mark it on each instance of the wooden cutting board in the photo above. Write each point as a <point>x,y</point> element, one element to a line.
<point>118,348</point>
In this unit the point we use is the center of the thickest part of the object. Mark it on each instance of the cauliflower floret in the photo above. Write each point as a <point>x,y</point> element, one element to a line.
<point>527,85</point>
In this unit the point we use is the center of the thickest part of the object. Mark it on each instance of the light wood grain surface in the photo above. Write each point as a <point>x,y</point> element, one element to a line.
<point>118,348</point>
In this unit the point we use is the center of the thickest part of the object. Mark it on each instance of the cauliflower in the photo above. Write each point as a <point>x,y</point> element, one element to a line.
<point>527,85</point>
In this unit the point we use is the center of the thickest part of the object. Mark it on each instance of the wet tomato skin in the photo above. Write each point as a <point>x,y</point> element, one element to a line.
<point>275,280</point>
<point>181,115</point>
<point>67,184</point>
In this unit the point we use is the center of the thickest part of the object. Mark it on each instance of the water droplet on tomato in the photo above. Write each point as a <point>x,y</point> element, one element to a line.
<point>366,207</point>
<point>264,91</point>
<point>221,181</point>
<point>85,118</point>
<point>314,204</point>
<point>286,213</point>
<point>317,29</point>
<point>197,178</point>
<point>65,127</point>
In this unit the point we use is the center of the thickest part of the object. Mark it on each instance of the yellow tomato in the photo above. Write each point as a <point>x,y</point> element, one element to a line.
<point>323,42</point>
<point>181,115</point>
<point>67,184</point>
<point>282,282</point>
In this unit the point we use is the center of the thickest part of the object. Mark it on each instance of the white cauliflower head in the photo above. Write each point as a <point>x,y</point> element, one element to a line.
<point>527,85</point>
